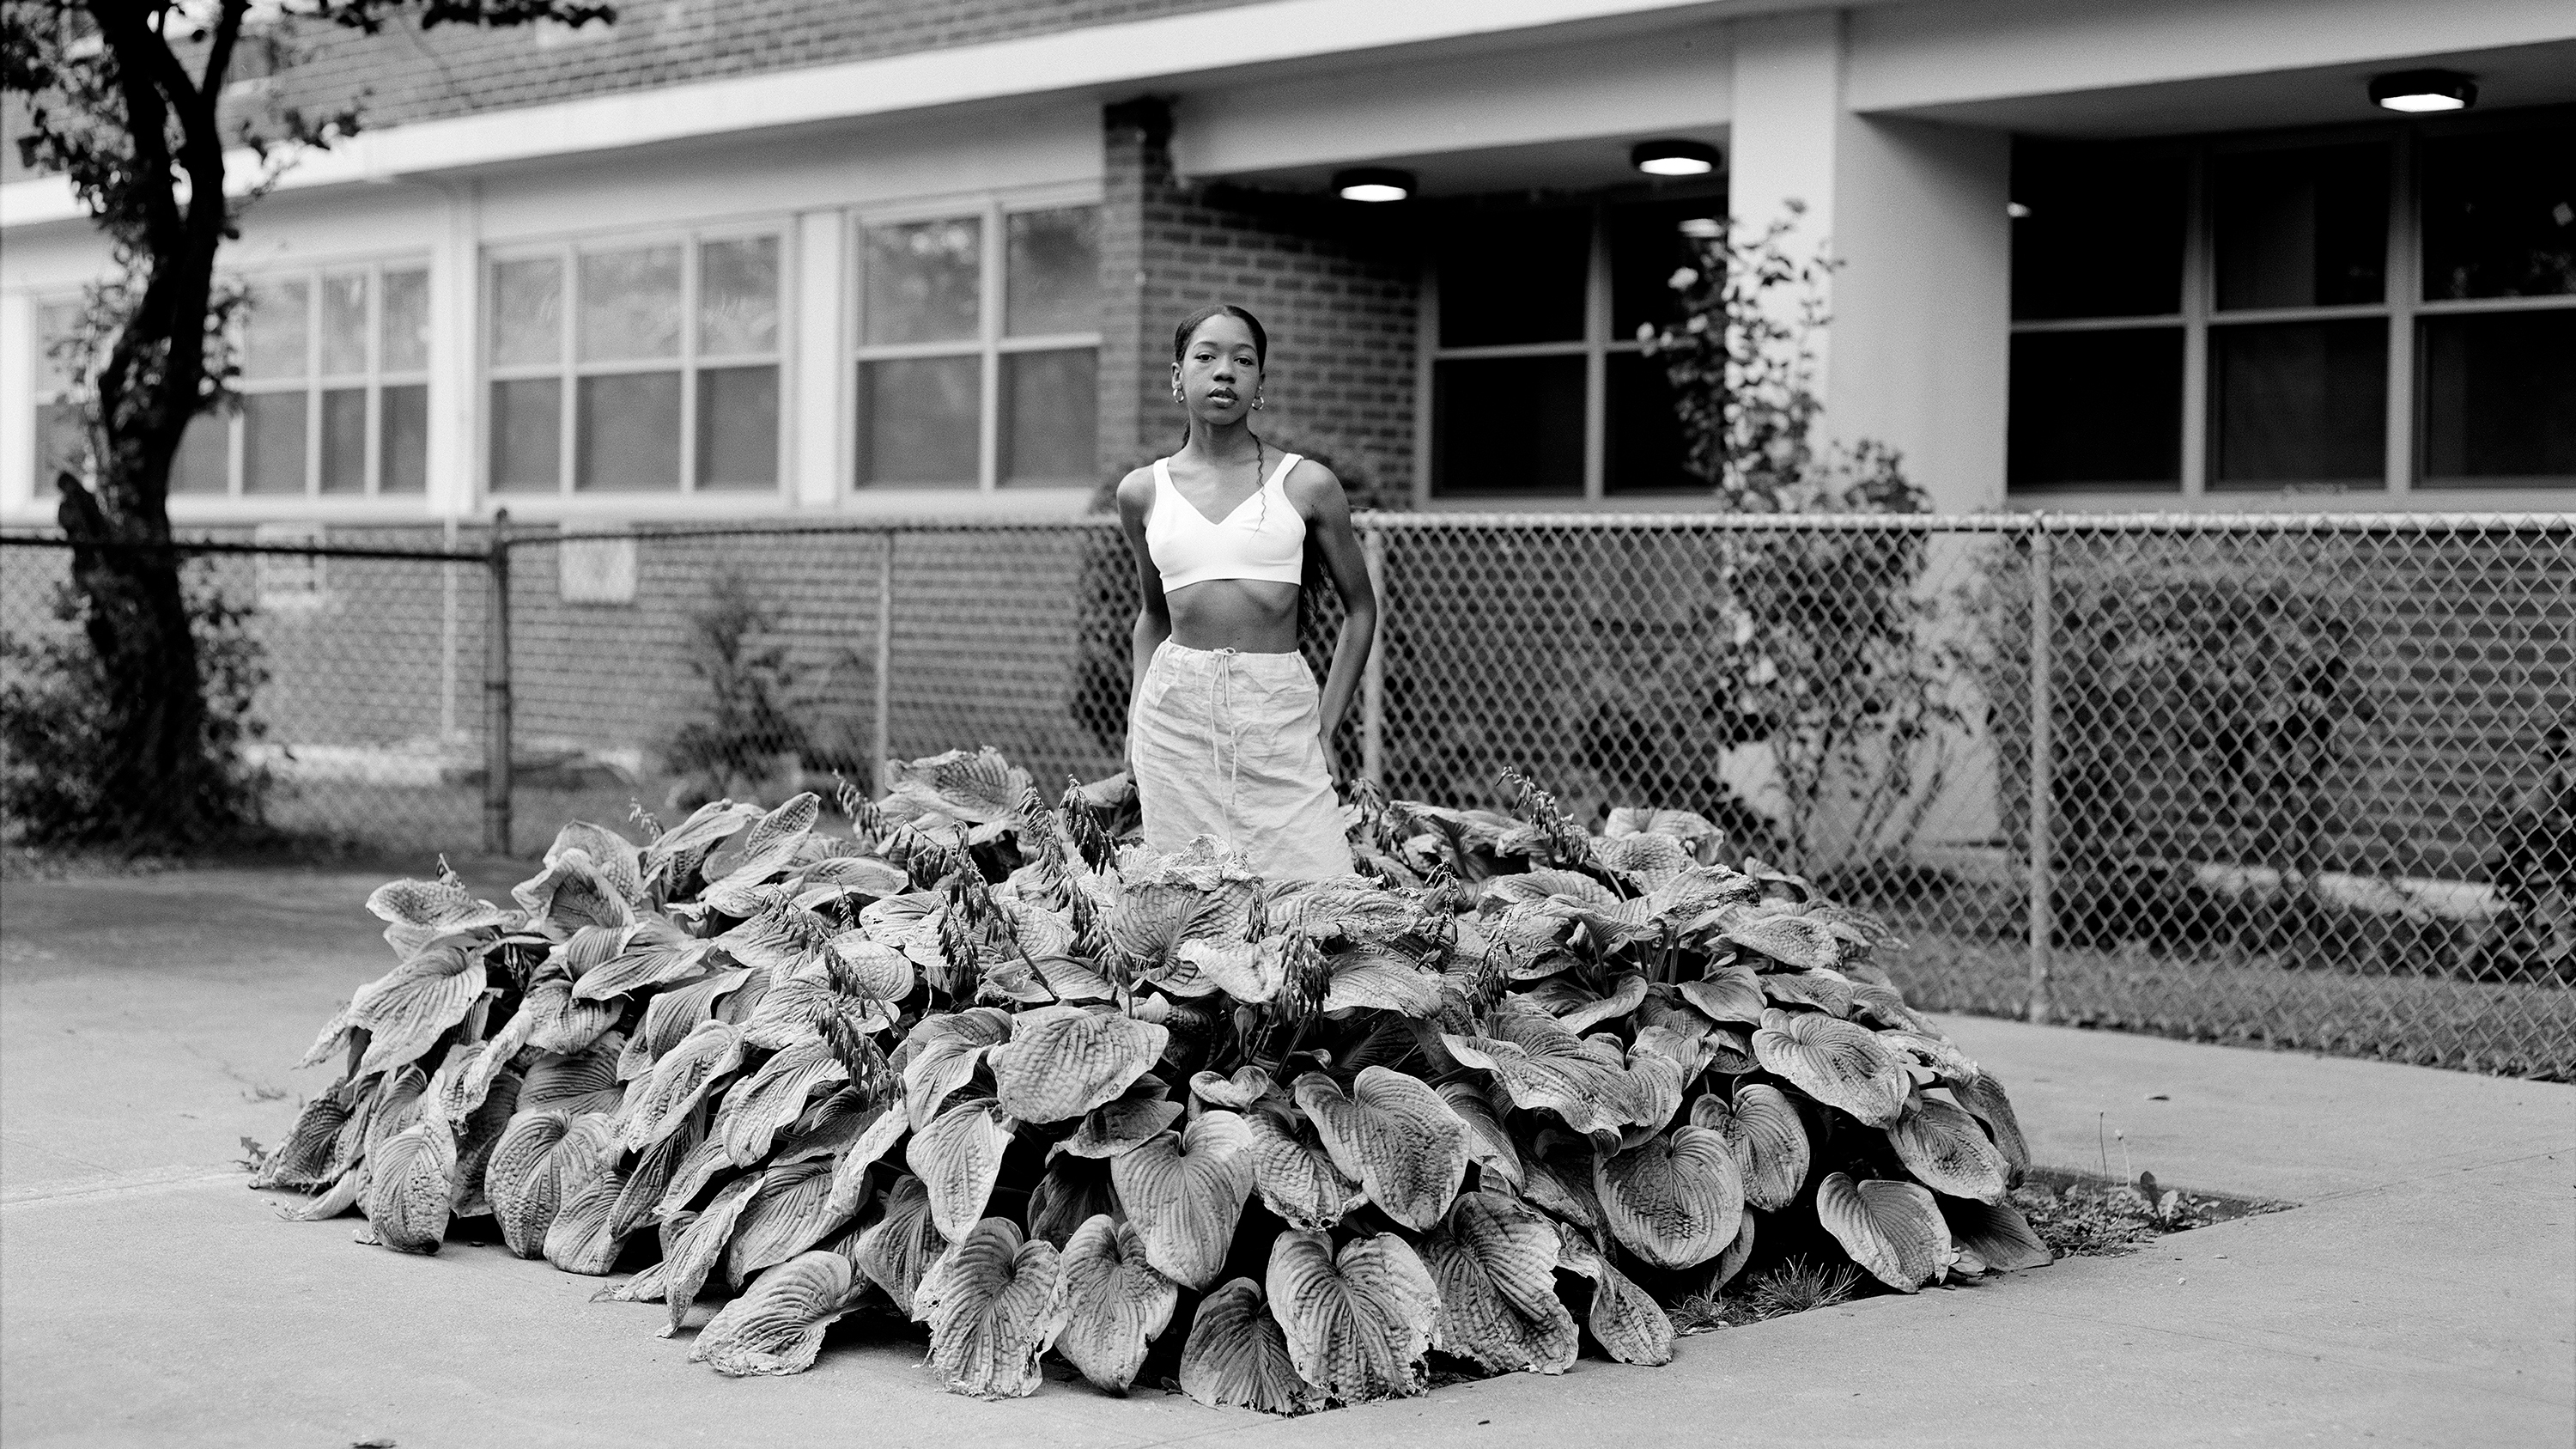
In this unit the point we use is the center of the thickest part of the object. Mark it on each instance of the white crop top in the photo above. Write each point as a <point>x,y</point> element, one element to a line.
<point>1263,538</point>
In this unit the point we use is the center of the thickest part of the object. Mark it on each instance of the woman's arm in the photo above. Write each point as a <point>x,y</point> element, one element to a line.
<point>1154,616</point>
<point>1318,496</point>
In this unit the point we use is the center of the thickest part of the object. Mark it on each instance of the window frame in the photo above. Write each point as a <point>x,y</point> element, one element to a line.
<point>568,369</point>
<point>2402,305</point>
<point>1597,346</point>
<point>991,343</point>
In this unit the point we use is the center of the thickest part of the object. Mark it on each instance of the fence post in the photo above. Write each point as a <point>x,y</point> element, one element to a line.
<point>2043,904</point>
<point>883,737</point>
<point>496,691</point>
<point>1373,678</point>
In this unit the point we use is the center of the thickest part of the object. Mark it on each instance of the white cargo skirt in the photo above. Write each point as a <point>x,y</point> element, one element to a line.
<point>1227,744</point>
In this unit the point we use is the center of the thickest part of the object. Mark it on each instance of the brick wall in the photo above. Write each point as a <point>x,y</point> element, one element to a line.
<point>1335,285</point>
<point>406,74</point>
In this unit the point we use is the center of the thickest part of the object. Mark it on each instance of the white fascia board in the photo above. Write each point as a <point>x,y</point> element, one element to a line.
<point>1103,56</point>
<point>1913,57</point>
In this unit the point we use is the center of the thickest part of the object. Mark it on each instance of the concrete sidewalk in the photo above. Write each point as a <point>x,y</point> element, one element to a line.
<point>2424,1292</point>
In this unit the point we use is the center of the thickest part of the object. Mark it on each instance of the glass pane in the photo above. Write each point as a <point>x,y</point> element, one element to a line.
<point>2299,403</point>
<point>204,461</point>
<point>738,296</point>
<point>62,444</point>
<point>918,420</point>
<point>273,337</point>
<point>527,311</point>
<point>1507,426</point>
<point>2301,228</point>
<point>738,427</point>
<point>2099,231</point>
<point>2500,400</point>
<point>54,322</point>
<point>1647,451</point>
<point>406,322</point>
<point>1051,419</point>
<point>344,324</point>
<point>1513,276</point>
<point>628,433</point>
<point>344,440</point>
<point>2095,410</point>
<point>403,440</point>
<point>527,435</point>
<point>923,280</point>
<point>630,304</point>
<point>1647,245</point>
<point>1053,271</point>
<point>2500,214</point>
<point>273,442</point>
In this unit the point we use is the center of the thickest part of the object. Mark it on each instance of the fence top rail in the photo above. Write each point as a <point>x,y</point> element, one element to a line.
<point>198,547</point>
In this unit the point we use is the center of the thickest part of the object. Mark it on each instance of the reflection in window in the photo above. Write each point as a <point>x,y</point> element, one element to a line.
<point>628,434</point>
<point>920,419</point>
<point>2096,410</point>
<point>1051,427</point>
<point>2299,403</point>
<point>1053,273</point>
<point>1507,426</point>
<point>2305,228</point>
<point>2500,214</point>
<point>925,281</point>
<point>2098,231</point>
<point>2500,399</point>
<point>320,354</point>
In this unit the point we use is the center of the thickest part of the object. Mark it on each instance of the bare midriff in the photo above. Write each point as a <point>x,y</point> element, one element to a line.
<point>1254,616</point>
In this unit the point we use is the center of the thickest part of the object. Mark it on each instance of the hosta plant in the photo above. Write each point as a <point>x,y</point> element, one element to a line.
<point>980,1064</point>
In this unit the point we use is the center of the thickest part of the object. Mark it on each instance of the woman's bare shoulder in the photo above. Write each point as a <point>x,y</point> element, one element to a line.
<point>1310,485</point>
<point>1136,491</point>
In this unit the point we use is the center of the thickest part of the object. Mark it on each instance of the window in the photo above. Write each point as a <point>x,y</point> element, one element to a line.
<point>979,340</point>
<point>1539,388</point>
<point>60,445</point>
<point>636,367</point>
<point>334,391</point>
<point>2385,307</point>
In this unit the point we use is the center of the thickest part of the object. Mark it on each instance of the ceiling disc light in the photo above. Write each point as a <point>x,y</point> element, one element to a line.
<point>2418,92</point>
<point>1674,158</point>
<point>1373,183</point>
<point>1702,228</point>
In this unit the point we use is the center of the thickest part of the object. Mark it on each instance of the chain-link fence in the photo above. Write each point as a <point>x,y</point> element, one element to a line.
<point>2304,781</point>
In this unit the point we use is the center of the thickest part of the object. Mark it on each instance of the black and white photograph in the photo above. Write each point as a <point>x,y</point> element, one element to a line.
<point>1445,724</point>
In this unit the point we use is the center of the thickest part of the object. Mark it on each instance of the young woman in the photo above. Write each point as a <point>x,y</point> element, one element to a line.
<point>1226,731</point>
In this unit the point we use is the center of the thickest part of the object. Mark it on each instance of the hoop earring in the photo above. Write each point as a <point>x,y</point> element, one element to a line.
<point>1176,392</point>
<point>1256,402</point>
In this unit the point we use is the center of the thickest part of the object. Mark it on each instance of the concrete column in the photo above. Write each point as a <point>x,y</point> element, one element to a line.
<point>18,368</point>
<point>455,371</point>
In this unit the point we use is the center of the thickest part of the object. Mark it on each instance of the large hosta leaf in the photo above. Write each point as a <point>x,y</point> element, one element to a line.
<point>979,787</point>
<point>639,1196</point>
<point>541,1160</point>
<point>1997,1233</point>
<point>1796,941</point>
<point>699,1246</point>
<point>581,1239</point>
<point>992,1308</point>
<point>571,893</point>
<point>1394,1136</point>
<point>1946,1151</point>
<point>681,1080</point>
<point>1237,1356</point>
<point>676,852</point>
<point>1073,1192</point>
<point>476,1137</point>
<point>1673,1200</point>
<point>1892,1229</point>
<point>1835,1062</point>
<point>1543,1067</point>
<point>1762,1128</point>
<point>558,1023</point>
<point>1495,1264</point>
<point>1359,1323</point>
<point>958,1157</point>
<point>617,859</point>
<point>1062,1061</point>
<point>1727,993</point>
<point>1649,860</point>
<point>1294,1171</point>
<point>946,1049</point>
<point>788,1213</point>
<point>1126,1124</point>
<point>1630,1325</point>
<point>1155,916</point>
<point>651,954</point>
<point>777,1326</point>
<point>1114,1303</point>
<point>303,1160</point>
<point>1184,1192</point>
<point>1826,990</point>
<point>1983,1097</point>
<point>1489,1143</point>
<point>898,1248</point>
<point>1380,979</point>
<point>410,1187</point>
<point>406,1010</point>
<point>672,1015</point>
<point>876,1138</point>
<point>1579,1009</point>
<point>756,1107</point>
<point>422,911</point>
<point>578,1082</point>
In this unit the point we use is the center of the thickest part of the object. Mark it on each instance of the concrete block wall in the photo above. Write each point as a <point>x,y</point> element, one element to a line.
<point>1335,284</point>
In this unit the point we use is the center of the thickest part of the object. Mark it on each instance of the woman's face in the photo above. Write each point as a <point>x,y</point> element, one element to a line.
<point>1219,372</point>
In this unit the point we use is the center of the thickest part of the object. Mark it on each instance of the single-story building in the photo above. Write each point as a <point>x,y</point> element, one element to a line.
<point>810,258</point>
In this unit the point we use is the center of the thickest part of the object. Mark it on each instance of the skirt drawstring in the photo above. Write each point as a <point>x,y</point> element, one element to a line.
<point>1225,723</point>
